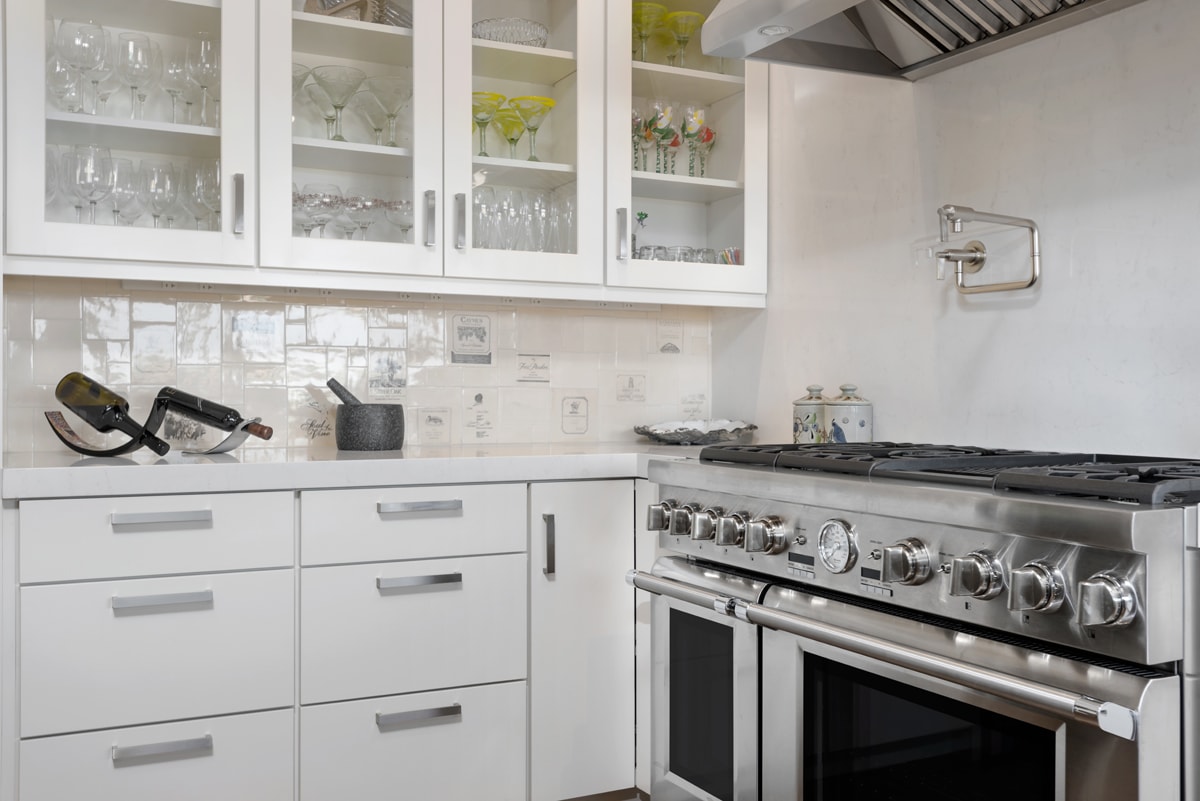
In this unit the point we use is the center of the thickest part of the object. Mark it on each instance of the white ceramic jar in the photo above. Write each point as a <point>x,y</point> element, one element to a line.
<point>849,417</point>
<point>808,417</point>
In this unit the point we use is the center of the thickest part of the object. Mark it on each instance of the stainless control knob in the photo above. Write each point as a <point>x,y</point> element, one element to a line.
<point>681,519</point>
<point>1106,600</point>
<point>907,562</point>
<point>704,524</point>
<point>731,529</point>
<point>978,574</point>
<point>1037,587</point>
<point>658,515</point>
<point>766,535</point>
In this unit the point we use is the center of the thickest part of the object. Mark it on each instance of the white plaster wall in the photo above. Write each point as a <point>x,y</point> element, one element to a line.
<point>1095,134</point>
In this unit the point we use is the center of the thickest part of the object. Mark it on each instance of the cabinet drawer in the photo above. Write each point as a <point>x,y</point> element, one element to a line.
<point>103,654</point>
<point>238,758</point>
<point>453,744</point>
<point>86,538</point>
<point>411,523</point>
<point>400,627</point>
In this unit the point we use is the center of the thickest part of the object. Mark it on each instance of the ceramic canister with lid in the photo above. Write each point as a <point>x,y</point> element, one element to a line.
<point>849,417</point>
<point>808,416</point>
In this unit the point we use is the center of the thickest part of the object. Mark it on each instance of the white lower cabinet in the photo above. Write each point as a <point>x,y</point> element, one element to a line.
<point>464,743</point>
<point>581,710</point>
<point>234,758</point>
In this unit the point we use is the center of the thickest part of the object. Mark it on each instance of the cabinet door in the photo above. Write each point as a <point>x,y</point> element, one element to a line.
<point>581,639</point>
<point>512,217</point>
<point>365,202</point>
<point>709,197</point>
<point>197,141</point>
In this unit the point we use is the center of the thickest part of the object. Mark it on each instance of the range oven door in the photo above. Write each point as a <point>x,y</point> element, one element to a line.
<point>862,704</point>
<point>704,685</point>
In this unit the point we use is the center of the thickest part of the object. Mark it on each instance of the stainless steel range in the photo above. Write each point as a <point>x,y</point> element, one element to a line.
<point>893,621</point>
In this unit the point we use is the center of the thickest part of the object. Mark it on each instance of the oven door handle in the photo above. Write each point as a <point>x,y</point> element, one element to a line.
<point>1110,717</point>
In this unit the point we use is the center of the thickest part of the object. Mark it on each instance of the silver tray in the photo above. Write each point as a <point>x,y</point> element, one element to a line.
<point>696,432</point>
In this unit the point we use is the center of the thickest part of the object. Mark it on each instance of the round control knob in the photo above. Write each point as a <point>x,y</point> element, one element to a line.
<point>766,535</point>
<point>658,515</point>
<point>731,529</point>
<point>704,524</point>
<point>1036,586</point>
<point>681,519</point>
<point>907,562</point>
<point>837,546</point>
<point>1106,600</point>
<point>978,575</point>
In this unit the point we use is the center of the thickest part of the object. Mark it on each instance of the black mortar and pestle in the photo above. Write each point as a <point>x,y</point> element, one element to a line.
<point>366,426</point>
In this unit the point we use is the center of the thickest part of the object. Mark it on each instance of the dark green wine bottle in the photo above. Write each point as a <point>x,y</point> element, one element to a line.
<point>103,409</point>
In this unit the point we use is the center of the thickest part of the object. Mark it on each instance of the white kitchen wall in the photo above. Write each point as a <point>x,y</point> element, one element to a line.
<point>465,372</point>
<point>1095,134</point>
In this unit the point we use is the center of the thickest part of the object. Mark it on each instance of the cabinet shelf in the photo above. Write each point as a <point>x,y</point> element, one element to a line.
<point>146,136</point>
<point>351,39</point>
<point>658,80</point>
<point>521,62</point>
<point>173,17</point>
<point>683,187</point>
<point>377,159</point>
<point>530,174</point>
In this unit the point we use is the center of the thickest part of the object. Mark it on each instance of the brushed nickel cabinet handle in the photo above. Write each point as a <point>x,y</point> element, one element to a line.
<point>162,601</point>
<point>239,203</point>
<point>152,518</point>
<point>430,218</point>
<point>398,720</point>
<point>416,507</point>
<point>549,521</point>
<point>460,221</point>
<point>403,582</point>
<point>173,749</point>
<point>623,234</point>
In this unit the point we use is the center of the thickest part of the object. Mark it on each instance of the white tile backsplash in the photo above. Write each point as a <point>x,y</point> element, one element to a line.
<point>270,357</point>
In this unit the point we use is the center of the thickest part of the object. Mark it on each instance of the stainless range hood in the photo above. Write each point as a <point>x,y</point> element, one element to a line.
<point>902,38</point>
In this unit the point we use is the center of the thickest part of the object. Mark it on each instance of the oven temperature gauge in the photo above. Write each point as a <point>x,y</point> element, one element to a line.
<point>836,546</point>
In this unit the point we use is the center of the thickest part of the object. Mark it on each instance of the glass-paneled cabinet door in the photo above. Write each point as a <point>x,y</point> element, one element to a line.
<point>687,173</point>
<point>351,132</point>
<point>144,111</point>
<point>524,97</point>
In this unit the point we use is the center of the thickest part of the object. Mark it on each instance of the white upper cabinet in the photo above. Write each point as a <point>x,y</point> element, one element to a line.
<point>75,94</point>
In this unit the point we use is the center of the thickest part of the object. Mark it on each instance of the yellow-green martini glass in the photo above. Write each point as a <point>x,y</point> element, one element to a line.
<point>683,24</point>
<point>533,111</point>
<point>646,17</point>
<point>484,106</point>
<point>511,127</point>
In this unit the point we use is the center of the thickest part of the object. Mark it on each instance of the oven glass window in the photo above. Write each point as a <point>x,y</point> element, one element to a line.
<point>701,703</point>
<point>868,738</point>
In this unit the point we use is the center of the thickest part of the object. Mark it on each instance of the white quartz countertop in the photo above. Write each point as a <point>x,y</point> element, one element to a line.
<point>69,475</point>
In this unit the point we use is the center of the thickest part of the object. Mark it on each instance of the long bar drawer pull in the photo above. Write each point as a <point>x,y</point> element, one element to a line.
<point>416,507</point>
<point>173,749</point>
<point>162,601</point>
<point>401,582</point>
<point>152,518</point>
<point>415,717</point>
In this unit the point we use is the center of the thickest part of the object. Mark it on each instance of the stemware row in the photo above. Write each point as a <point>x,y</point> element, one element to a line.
<point>379,99</point>
<point>316,206</point>
<point>516,115</point>
<point>666,126</point>
<point>510,218</point>
<point>674,29</point>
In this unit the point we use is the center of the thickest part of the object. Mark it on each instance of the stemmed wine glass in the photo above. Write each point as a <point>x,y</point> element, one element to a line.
<point>400,214</point>
<point>127,199</point>
<point>88,174</point>
<point>369,108</point>
<point>322,202</point>
<point>160,182</point>
<point>299,213</point>
<point>175,82</point>
<point>340,83</point>
<point>511,127</point>
<point>82,44</point>
<point>393,93</point>
<point>533,111</point>
<point>135,66</point>
<point>52,162</point>
<point>204,67</point>
<point>484,106</point>
<point>201,191</point>
<point>683,24</point>
<point>646,17</point>
<point>360,206</point>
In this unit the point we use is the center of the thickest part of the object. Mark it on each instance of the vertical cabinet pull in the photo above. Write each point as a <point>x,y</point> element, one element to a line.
<point>398,720</point>
<point>623,234</point>
<point>430,218</point>
<point>549,521</point>
<point>174,749</point>
<point>239,203</point>
<point>162,602</point>
<point>460,221</point>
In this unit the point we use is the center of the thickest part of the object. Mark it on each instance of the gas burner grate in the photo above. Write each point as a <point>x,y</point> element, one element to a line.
<point>1135,482</point>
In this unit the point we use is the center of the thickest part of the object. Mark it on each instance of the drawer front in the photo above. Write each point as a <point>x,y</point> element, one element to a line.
<point>238,758</point>
<point>367,525</point>
<point>454,744</point>
<point>103,654</point>
<point>399,627</point>
<point>89,538</point>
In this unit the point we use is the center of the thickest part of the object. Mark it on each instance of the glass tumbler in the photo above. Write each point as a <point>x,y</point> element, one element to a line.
<point>680,253</point>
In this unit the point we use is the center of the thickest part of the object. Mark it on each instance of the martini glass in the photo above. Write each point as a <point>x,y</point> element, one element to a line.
<point>300,74</point>
<point>393,93</point>
<point>369,108</point>
<point>484,106</point>
<point>533,111</point>
<point>646,17</point>
<point>339,83</point>
<point>320,101</point>
<point>511,127</point>
<point>683,24</point>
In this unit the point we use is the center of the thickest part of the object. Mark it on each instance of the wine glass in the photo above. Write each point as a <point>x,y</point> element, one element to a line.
<point>371,110</point>
<point>66,85</point>
<point>533,111</point>
<point>400,214</point>
<point>663,128</point>
<point>201,191</point>
<point>510,126</point>
<point>683,24</point>
<point>83,45</point>
<point>135,64</point>
<point>322,202</point>
<point>52,161</point>
<point>704,145</point>
<point>88,175</point>
<point>339,83</point>
<point>127,198</point>
<point>484,106</point>
<point>361,207</point>
<point>637,125</point>
<point>646,17</point>
<point>693,123</point>
<point>152,79</point>
<point>393,93</point>
<point>175,82</point>
<point>160,182</point>
<point>300,214</point>
<point>320,100</point>
<point>204,66</point>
